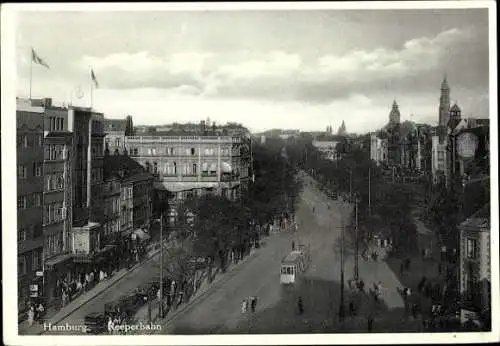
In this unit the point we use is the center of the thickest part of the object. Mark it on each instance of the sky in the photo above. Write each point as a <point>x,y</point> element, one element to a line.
<point>292,69</point>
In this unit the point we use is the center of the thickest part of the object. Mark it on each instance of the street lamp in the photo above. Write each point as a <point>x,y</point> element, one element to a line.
<point>160,302</point>
<point>356,260</point>
<point>341,308</point>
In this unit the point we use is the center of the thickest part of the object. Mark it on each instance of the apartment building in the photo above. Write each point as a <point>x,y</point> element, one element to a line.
<point>475,263</point>
<point>193,164</point>
<point>30,188</point>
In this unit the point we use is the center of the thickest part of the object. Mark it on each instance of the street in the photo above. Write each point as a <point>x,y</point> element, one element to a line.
<point>220,310</point>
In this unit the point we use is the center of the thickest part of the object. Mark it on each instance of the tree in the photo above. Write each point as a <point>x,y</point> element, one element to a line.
<point>220,226</point>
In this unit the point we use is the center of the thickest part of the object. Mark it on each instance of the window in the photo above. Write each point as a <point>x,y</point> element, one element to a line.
<point>21,234</point>
<point>130,192</point>
<point>204,168</point>
<point>22,172</point>
<point>25,141</point>
<point>471,248</point>
<point>21,202</point>
<point>36,260</point>
<point>213,168</point>
<point>21,265</point>
<point>192,151</point>
<point>175,168</point>
<point>40,141</point>
<point>185,169</point>
<point>37,199</point>
<point>195,168</point>
<point>155,167</point>
<point>37,169</point>
<point>170,151</point>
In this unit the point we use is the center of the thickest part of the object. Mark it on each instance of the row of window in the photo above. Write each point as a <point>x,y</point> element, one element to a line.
<point>31,200</point>
<point>53,245</point>
<point>97,174</point>
<point>126,217</point>
<point>29,140</point>
<point>55,152</point>
<point>53,212</point>
<point>179,151</point>
<point>112,226</point>
<point>54,182</point>
<point>22,263</point>
<point>127,193</point>
<point>186,168</point>
<point>112,207</point>
<point>471,248</point>
<point>37,170</point>
<point>56,124</point>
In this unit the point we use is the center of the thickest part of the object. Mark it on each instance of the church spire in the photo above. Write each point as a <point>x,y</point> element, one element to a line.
<point>444,103</point>
<point>342,129</point>
<point>394,115</point>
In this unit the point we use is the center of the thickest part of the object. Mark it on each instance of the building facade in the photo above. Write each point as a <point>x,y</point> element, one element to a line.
<point>115,132</point>
<point>378,149</point>
<point>132,194</point>
<point>30,188</point>
<point>57,201</point>
<point>193,165</point>
<point>475,261</point>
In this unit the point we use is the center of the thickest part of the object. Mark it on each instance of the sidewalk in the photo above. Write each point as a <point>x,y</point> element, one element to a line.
<point>98,289</point>
<point>205,286</point>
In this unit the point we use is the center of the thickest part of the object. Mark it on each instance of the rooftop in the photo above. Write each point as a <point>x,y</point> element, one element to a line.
<point>480,220</point>
<point>124,167</point>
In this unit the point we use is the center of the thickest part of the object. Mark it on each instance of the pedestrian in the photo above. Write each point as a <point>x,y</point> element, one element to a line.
<point>40,311</point>
<point>244,307</point>
<point>253,304</point>
<point>300,305</point>
<point>352,310</point>
<point>110,325</point>
<point>370,323</point>
<point>31,315</point>
<point>361,285</point>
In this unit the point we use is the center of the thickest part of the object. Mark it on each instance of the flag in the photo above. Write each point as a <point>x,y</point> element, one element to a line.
<point>92,75</point>
<point>37,60</point>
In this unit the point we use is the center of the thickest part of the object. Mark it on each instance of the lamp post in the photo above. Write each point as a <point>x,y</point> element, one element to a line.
<point>160,302</point>
<point>341,308</point>
<point>356,259</point>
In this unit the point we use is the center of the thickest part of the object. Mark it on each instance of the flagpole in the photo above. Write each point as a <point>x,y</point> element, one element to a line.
<point>31,71</point>
<point>91,93</point>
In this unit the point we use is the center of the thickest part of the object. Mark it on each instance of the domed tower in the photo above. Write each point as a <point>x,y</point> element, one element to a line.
<point>394,115</point>
<point>444,103</point>
<point>455,116</point>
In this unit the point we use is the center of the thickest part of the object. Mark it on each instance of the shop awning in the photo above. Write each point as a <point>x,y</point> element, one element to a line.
<point>54,261</point>
<point>186,186</point>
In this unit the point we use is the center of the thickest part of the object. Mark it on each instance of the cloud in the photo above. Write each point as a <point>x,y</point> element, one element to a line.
<point>281,75</point>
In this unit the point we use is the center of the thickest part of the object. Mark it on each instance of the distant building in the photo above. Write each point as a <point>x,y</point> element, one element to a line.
<point>378,149</point>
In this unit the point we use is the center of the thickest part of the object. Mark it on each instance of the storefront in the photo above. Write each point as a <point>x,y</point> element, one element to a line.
<point>56,269</point>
